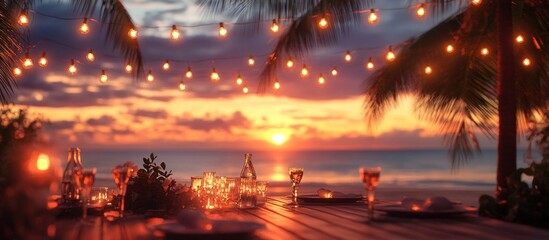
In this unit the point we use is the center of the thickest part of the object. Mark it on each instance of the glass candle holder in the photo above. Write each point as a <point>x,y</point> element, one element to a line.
<point>233,190</point>
<point>196,183</point>
<point>248,196</point>
<point>261,190</point>
<point>207,195</point>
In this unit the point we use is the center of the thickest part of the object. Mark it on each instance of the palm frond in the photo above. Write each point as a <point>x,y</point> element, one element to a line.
<point>10,45</point>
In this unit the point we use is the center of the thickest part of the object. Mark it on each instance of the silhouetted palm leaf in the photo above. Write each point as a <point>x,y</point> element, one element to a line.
<point>9,46</point>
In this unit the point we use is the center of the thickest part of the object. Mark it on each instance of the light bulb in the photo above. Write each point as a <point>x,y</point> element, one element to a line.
<point>390,55</point>
<point>421,11</point>
<point>17,71</point>
<point>129,68</point>
<point>519,39</point>
<point>43,61</point>
<point>189,73</point>
<point>150,76</point>
<point>182,86</point>
<point>348,56</point>
<point>370,64</point>
<point>334,71</point>
<point>72,67</point>
<point>372,18</point>
<point>276,85</point>
<point>428,70</point>
<point>476,2</point>
<point>166,65</point>
<point>84,28</point>
<point>104,77</point>
<point>449,48</point>
<point>23,19</point>
<point>321,80</point>
<point>174,35</point>
<point>274,26</point>
<point>304,71</point>
<point>323,23</point>
<point>239,80</point>
<point>27,63</point>
<point>484,51</point>
<point>526,62</point>
<point>245,89</point>
<point>90,56</point>
<point>289,63</point>
<point>214,76</point>
<point>251,61</point>
<point>132,33</point>
<point>222,30</point>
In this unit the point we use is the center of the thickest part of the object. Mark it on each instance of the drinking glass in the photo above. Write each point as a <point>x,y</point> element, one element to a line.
<point>233,188</point>
<point>295,177</point>
<point>196,183</point>
<point>261,188</point>
<point>207,196</point>
<point>121,176</point>
<point>370,178</point>
<point>88,178</point>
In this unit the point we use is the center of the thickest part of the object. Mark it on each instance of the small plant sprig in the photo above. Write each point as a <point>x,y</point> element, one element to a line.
<point>155,171</point>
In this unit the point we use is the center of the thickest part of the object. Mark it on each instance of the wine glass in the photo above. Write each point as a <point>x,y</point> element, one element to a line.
<point>295,178</point>
<point>121,176</point>
<point>88,178</point>
<point>370,178</point>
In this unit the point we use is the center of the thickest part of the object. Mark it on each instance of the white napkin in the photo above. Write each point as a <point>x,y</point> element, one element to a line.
<point>431,204</point>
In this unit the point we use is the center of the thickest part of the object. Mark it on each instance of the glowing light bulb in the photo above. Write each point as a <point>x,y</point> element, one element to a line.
<point>321,80</point>
<point>43,61</point>
<point>222,30</point>
<point>166,65</point>
<point>27,63</point>
<point>17,71</point>
<point>323,23</point>
<point>174,34</point>
<point>428,70</point>
<point>449,48</point>
<point>104,77</point>
<point>390,54</point>
<point>189,73</point>
<point>245,89</point>
<point>84,28</point>
<point>370,64</point>
<point>526,62</point>
<point>289,63</point>
<point>23,19</point>
<point>484,51</point>
<point>348,56</point>
<point>304,71</point>
<point>43,162</point>
<point>421,11</point>
<point>132,33</point>
<point>274,26</point>
<point>372,18</point>
<point>90,56</point>
<point>476,2</point>
<point>150,76</point>
<point>334,71</point>
<point>72,67</point>
<point>182,86</point>
<point>519,39</point>
<point>251,61</point>
<point>129,68</point>
<point>214,76</point>
<point>239,80</point>
<point>276,85</point>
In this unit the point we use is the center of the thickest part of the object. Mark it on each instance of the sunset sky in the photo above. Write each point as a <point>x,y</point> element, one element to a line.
<point>125,113</point>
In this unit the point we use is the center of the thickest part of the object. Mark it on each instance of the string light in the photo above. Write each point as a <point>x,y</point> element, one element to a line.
<point>27,63</point>
<point>166,65</point>
<point>174,35</point>
<point>214,76</point>
<point>526,62</point>
<point>321,79</point>
<point>372,17</point>
<point>245,89</point>
<point>84,28</point>
<point>103,78</point>
<point>43,61</point>
<point>150,76</point>
<point>239,80</point>
<point>23,19</point>
<point>370,64</point>
<point>449,48</point>
<point>348,56</point>
<point>276,85</point>
<point>72,67</point>
<point>182,86</point>
<point>421,10</point>
<point>484,51</point>
<point>390,55</point>
<point>129,68</point>
<point>519,39</point>
<point>304,71</point>
<point>189,73</point>
<point>90,56</point>
<point>323,23</point>
<point>428,70</point>
<point>334,71</point>
<point>222,30</point>
<point>132,33</point>
<point>274,26</point>
<point>289,63</point>
<point>17,71</point>
<point>476,2</point>
<point>251,61</point>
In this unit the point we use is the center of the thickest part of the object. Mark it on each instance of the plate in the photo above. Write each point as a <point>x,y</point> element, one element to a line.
<point>313,198</point>
<point>221,229</point>
<point>399,211</point>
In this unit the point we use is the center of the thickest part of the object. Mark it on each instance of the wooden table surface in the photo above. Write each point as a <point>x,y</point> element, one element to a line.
<point>314,222</point>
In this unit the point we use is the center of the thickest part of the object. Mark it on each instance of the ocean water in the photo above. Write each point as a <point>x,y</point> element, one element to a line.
<point>404,168</point>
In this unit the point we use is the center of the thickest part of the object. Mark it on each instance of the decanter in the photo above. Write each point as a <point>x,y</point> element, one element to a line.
<point>248,193</point>
<point>71,193</point>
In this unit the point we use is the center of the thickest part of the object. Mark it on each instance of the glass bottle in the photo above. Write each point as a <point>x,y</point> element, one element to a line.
<point>248,196</point>
<point>70,193</point>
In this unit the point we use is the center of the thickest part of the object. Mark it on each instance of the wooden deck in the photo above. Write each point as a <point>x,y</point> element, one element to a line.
<point>315,222</point>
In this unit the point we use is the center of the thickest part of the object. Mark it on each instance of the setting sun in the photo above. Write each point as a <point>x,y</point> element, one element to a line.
<point>279,138</point>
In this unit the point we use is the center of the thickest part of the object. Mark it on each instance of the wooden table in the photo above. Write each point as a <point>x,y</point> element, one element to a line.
<point>315,222</point>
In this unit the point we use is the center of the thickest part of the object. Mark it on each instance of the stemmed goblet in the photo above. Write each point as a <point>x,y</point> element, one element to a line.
<point>121,176</point>
<point>370,178</point>
<point>295,178</point>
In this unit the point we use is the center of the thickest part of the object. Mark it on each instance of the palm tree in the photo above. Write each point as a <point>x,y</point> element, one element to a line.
<point>464,92</point>
<point>112,14</point>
